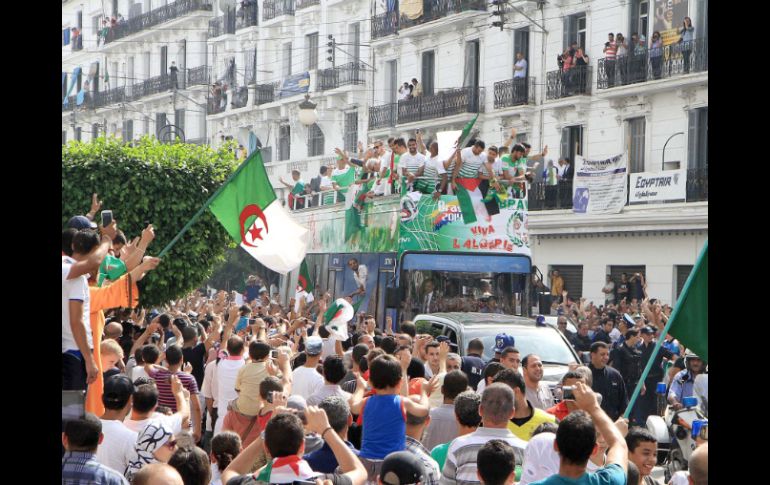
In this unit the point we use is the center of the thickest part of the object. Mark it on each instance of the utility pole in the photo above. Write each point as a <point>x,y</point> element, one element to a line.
<point>499,12</point>
<point>332,44</point>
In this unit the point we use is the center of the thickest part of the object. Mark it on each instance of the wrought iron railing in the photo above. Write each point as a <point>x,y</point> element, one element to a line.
<point>155,17</point>
<point>276,8</point>
<point>384,24</point>
<point>542,196</point>
<point>576,81</point>
<point>383,116</point>
<point>70,105</point>
<point>350,73</point>
<point>264,93</point>
<point>307,3</point>
<point>240,97</point>
<point>514,92</point>
<point>157,84</point>
<point>224,24</point>
<point>655,63</point>
<point>698,184</point>
<point>250,76</point>
<point>106,98</point>
<point>444,103</point>
<point>214,104</point>
<point>77,43</point>
<point>247,16</point>
<point>198,76</point>
<point>434,10</point>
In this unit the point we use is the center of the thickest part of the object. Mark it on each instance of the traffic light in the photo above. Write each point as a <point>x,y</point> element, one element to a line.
<point>332,47</point>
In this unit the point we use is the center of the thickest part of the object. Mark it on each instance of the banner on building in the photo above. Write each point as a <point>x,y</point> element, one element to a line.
<point>665,186</point>
<point>599,186</point>
<point>296,84</point>
<point>437,225</point>
<point>669,18</point>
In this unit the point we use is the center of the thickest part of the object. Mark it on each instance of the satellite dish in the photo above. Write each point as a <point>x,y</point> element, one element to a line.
<point>225,5</point>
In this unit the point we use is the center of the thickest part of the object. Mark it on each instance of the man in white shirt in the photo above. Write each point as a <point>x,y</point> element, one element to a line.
<point>227,373</point>
<point>433,173</point>
<point>334,371</point>
<point>411,162</point>
<point>79,367</point>
<point>538,393</point>
<point>145,402</point>
<point>117,447</point>
<point>520,67</point>
<point>360,273</point>
<point>306,380</point>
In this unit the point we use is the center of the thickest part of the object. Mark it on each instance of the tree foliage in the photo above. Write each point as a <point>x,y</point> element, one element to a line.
<point>162,184</point>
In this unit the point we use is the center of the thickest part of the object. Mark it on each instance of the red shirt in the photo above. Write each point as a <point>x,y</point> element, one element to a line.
<point>560,410</point>
<point>165,396</point>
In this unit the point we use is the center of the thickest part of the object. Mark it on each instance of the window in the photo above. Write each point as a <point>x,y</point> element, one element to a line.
<point>698,138</point>
<point>575,30</point>
<point>287,59</point>
<point>127,133</point>
<point>428,72</point>
<point>521,43</point>
<point>251,67</point>
<point>471,77</point>
<point>163,60</point>
<point>635,141</point>
<point>284,142</point>
<point>351,131</point>
<point>391,81</point>
<point>64,137</point>
<point>315,141</point>
<point>160,122</point>
<point>146,125</point>
<point>639,18</point>
<point>311,41</point>
<point>682,273</point>
<point>78,133</point>
<point>80,21</point>
<point>617,271</point>
<point>572,276</point>
<point>571,142</point>
<point>179,119</point>
<point>355,40</point>
<point>94,131</point>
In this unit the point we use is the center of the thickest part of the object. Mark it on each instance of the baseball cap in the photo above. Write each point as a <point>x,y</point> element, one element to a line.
<point>647,330</point>
<point>313,345</point>
<point>401,468</point>
<point>502,341</point>
<point>81,222</point>
<point>118,388</point>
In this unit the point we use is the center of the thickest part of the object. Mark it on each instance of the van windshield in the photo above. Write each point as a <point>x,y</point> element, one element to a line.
<point>543,341</point>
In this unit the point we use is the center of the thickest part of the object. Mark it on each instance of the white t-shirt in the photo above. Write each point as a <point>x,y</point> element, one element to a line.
<point>540,459</point>
<point>227,372</point>
<point>522,72</point>
<point>208,386</point>
<point>74,289</point>
<point>412,162</point>
<point>138,372</point>
<point>306,381</point>
<point>174,422</point>
<point>434,168</point>
<point>360,276</point>
<point>118,445</point>
<point>471,163</point>
<point>299,294</point>
<point>328,347</point>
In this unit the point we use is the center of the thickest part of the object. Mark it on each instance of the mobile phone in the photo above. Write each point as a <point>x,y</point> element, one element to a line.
<point>106,218</point>
<point>274,354</point>
<point>252,321</point>
<point>568,393</point>
<point>73,405</point>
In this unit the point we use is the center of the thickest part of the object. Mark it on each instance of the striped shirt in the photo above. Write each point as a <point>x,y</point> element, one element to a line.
<point>165,396</point>
<point>432,472</point>
<point>81,468</point>
<point>471,163</point>
<point>611,51</point>
<point>412,162</point>
<point>460,465</point>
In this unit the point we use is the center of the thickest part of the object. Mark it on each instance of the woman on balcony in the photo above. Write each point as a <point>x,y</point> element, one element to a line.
<point>622,57</point>
<point>566,65</point>
<point>685,42</point>
<point>580,77</point>
<point>656,54</point>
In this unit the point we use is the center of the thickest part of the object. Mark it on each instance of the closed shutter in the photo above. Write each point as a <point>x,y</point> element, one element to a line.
<point>633,17</point>
<point>179,119</point>
<point>565,33</point>
<point>636,144</point>
<point>428,72</point>
<point>573,278</point>
<point>682,272</point>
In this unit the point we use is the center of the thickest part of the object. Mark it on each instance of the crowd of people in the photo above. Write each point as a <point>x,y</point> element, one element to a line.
<point>223,388</point>
<point>400,166</point>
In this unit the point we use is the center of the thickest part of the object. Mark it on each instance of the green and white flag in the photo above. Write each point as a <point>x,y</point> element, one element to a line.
<point>253,216</point>
<point>111,269</point>
<point>337,316</point>
<point>304,282</point>
<point>690,318</point>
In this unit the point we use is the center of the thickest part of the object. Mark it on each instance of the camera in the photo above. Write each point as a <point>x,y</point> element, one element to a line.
<point>568,393</point>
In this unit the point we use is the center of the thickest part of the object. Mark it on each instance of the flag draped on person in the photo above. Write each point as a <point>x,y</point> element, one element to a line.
<point>251,213</point>
<point>355,202</point>
<point>467,186</point>
<point>690,318</point>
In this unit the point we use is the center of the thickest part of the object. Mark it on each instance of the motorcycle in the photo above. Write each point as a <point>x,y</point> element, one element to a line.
<point>676,432</point>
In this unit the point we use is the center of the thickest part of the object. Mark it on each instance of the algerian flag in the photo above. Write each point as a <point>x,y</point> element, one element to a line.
<point>355,202</point>
<point>251,213</point>
<point>467,132</point>
<point>690,318</point>
<point>343,178</point>
<point>304,282</point>
<point>337,317</point>
<point>467,192</point>
<point>111,268</point>
<point>106,76</point>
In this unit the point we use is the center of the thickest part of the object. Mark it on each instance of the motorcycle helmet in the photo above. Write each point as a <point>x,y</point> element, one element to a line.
<point>688,356</point>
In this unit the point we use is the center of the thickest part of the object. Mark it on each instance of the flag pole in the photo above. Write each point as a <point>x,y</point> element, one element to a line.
<point>663,333</point>
<point>206,205</point>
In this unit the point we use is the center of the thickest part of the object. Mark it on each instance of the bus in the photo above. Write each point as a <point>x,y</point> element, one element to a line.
<point>414,255</point>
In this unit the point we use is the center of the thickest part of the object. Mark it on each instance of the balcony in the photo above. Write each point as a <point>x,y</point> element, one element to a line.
<point>71,103</point>
<point>576,81</point>
<point>214,104</point>
<point>198,76</point>
<point>428,107</point>
<point>514,92</point>
<point>222,25</point>
<point>106,98</point>
<point>240,97</point>
<point>559,196</point>
<point>307,3</point>
<point>247,16</point>
<point>661,63</point>
<point>433,10</point>
<point>351,73</point>
<point>276,8</point>
<point>384,24</point>
<point>77,43</point>
<point>155,17</point>
<point>264,93</point>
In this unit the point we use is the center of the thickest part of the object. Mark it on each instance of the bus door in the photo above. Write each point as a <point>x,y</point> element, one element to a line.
<point>334,274</point>
<point>385,278</point>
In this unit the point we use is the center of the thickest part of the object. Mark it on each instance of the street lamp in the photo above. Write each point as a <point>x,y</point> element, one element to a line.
<point>663,160</point>
<point>307,113</point>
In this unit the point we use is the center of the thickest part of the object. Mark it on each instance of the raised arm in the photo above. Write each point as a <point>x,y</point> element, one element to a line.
<point>318,422</point>
<point>617,450</point>
<point>510,139</point>
<point>91,263</point>
<point>135,258</point>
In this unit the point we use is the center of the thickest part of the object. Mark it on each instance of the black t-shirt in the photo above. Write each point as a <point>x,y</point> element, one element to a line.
<point>336,479</point>
<point>196,356</point>
<point>473,366</point>
<point>622,290</point>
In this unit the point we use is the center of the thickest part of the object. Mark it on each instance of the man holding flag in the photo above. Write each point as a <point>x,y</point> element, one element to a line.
<point>465,182</point>
<point>305,287</point>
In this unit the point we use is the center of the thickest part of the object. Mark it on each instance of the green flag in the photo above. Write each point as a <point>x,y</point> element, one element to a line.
<point>690,318</point>
<point>467,132</point>
<point>357,304</point>
<point>111,268</point>
<point>303,280</point>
